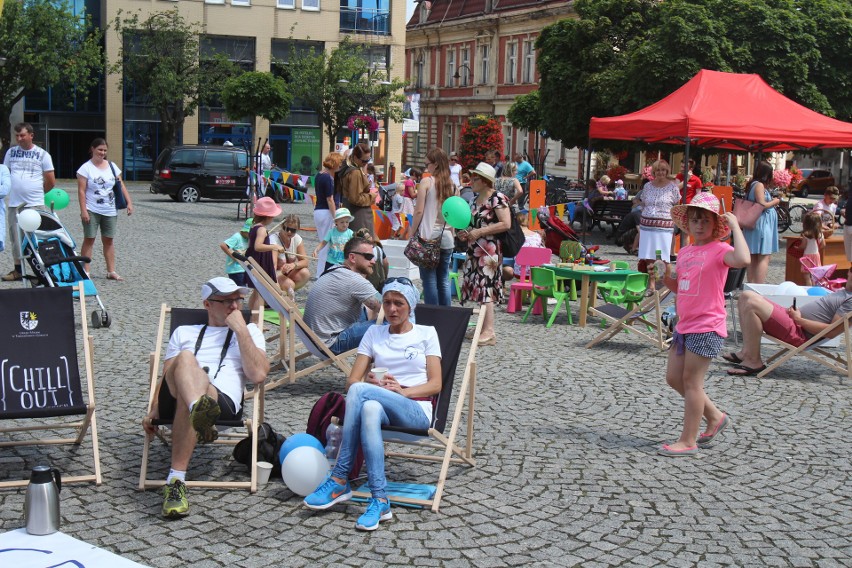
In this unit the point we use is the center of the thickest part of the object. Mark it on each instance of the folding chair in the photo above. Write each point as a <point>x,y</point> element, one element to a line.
<point>734,285</point>
<point>184,316</point>
<point>40,373</point>
<point>635,320</point>
<point>813,350</point>
<point>296,329</point>
<point>451,324</point>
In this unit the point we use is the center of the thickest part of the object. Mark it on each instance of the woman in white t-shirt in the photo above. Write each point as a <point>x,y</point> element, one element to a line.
<point>292,265</point>
<point>411,356</point>
<point>95,181</point>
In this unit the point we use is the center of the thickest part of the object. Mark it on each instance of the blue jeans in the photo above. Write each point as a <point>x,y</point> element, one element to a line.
<point>368,408</point>
<point>351,337</point>
<point>436,281</point>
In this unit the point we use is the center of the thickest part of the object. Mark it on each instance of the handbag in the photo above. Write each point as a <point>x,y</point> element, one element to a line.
<point>425,253</point>
<point>747,212</point>
<point>796,248</point>
<point>120,201</point>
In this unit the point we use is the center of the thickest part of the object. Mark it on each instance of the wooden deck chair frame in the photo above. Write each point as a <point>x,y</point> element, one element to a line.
<point>637,321</point>
<point>294,332</point>
<point>443,447</point>
<point>254,397</point>
<point>812,349</point>
<point>88,422</point>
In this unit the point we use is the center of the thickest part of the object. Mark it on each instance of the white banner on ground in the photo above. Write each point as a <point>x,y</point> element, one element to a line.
<point>23,550</point>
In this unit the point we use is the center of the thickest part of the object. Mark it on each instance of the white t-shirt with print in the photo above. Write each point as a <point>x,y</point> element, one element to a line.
<point>100,197</point>
<point>231,378</point>
<point>27,168</point>
<point>403,354</point>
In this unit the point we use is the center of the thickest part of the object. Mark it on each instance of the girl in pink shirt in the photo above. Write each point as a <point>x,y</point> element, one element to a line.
<point>702,269</point>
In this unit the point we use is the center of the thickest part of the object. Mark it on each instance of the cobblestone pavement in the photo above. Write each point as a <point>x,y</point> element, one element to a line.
<point>567,472</point>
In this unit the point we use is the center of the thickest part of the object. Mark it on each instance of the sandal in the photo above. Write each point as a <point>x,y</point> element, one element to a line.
<point>114,276</point>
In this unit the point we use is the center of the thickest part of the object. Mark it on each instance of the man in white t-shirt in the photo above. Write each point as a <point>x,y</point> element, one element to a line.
<point>206,369</point>
<point>32,176</point>
<point>455,170</point>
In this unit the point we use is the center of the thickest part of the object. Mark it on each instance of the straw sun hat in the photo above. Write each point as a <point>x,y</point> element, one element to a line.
<point>704,200</point>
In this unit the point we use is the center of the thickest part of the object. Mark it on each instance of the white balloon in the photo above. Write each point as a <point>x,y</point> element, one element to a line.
<point>29,220</point>
<point>304,469</point>
<point>787,289</point>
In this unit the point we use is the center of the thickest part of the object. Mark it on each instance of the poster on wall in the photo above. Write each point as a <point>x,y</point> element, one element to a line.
<point>305,145</point>
<point>411,113</point>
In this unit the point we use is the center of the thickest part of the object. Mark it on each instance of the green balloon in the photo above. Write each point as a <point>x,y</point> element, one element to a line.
<point>57,198</point>
<point>456,212</point>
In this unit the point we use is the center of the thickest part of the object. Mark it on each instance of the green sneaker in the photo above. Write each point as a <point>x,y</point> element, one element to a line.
<point>174,500</point>
<point>203,417</point>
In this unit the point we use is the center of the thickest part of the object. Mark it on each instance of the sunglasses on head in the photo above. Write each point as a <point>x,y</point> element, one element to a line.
<point>366,255</point>
<point>400,279</point>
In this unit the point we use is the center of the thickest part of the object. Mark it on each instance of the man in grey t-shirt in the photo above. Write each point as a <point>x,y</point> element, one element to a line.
<point>791,325</point>
<point>334,308</point>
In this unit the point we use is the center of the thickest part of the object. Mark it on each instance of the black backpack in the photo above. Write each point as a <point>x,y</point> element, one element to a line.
<point>513,239</point>
<point>269,444</point>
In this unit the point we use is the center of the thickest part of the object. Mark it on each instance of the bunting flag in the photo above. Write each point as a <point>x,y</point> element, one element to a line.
<point>410,218</point>
<point>572,207</point>
<point>560,210</point>
<point>313,181</point>
<point>303,180</point>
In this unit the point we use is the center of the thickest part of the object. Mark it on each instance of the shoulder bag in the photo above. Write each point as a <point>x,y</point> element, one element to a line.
<point>425,253</point>
<point>120,201</point>
<point>747,212</point>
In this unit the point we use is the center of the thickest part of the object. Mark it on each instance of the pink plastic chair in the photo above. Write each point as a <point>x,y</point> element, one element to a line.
<point>526,258</point>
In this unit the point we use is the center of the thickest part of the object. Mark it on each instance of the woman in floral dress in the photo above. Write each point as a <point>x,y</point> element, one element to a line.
<point>482,274</point>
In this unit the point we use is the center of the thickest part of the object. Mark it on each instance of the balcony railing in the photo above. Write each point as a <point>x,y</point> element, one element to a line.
<point>365,21</point>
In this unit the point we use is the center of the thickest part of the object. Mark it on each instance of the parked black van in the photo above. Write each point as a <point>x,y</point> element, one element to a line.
<point>188,173</point>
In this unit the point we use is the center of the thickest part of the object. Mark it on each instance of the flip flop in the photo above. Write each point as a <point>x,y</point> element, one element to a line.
<point>666,450</point>
<point>707,437</point>
<point>732,358</point>
<point>746,371</point>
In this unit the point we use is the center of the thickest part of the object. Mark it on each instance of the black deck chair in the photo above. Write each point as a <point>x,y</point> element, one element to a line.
<point>40,374</point>
<point>186,316</point>
<point>451,323</point>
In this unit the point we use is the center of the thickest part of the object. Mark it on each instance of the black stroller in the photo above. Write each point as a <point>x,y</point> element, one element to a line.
<point>49,259</point>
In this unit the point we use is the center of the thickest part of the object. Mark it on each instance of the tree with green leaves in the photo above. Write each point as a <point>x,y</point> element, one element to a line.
<point>257,93</point>
<point>160,60</point>
<point>45,45</point>
<point>340,83</point>
<point>622,55</point>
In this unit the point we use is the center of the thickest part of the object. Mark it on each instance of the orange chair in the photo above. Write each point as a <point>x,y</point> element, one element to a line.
<point>526,258</point>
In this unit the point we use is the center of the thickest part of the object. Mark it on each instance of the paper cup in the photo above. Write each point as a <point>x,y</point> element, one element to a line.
<point>379,373</point>
<point>263,471</point>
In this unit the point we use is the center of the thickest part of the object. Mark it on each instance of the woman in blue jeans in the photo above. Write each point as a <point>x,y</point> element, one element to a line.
<point>429,222</point>
<point>402,397</point>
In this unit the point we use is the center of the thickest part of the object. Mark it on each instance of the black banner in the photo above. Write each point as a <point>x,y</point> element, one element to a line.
<point>39,373</point>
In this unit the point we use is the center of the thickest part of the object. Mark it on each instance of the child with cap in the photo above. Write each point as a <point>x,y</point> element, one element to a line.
<point>238,242</point>
<point>702,269</point>
<point>336,238</point>
<point>259,247</point>
<point>619,192</point>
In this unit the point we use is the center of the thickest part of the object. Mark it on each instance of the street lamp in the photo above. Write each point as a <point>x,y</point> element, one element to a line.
<point>457,75</point>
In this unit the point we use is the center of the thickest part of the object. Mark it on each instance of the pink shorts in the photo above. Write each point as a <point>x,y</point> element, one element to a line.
<point>781,326</point>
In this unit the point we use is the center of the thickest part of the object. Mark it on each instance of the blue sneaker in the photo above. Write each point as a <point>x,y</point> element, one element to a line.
<point>377,511</point>
<point>328,494</point>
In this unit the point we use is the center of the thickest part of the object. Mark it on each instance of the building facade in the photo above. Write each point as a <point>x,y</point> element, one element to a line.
<point>256,35</point>
<point>476,57</point>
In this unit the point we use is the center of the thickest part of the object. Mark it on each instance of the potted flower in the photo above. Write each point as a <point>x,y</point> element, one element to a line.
<point>362,122</point>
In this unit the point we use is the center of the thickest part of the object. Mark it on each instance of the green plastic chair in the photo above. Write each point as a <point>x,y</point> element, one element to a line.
<point>609,289</point>
<point>545,286</point>
<point>633,291</point>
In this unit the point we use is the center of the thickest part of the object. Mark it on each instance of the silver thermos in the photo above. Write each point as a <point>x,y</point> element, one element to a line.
<point>41,505</point>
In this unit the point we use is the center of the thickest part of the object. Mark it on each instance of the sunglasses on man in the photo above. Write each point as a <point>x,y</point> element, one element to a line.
<point>368,256</point>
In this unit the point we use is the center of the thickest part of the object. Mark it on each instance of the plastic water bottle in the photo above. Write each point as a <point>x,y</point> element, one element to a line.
<point>659,269</point>
<point>333,436</point>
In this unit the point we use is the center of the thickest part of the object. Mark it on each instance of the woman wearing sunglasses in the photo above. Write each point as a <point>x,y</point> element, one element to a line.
<point>411,356</point>
<point>293,271</point>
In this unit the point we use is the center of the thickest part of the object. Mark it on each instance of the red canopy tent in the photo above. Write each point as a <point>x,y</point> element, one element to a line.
<point>727,111</point>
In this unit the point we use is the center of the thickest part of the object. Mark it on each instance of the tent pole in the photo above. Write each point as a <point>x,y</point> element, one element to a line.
<point>686,174</point>
<point>728,178</point>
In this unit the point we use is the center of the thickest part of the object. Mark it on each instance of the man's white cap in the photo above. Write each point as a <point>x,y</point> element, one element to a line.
<point>221,286</point>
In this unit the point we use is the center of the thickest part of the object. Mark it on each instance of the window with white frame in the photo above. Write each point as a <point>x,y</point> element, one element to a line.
<point>525,141</point>
<point>240,2</point>
<point>509,148</point>
<point>451,67</point>
<point>311,5</point>
<point>288,4</point>
<point>464,67</point>
<point>214,1</point>
<point>529,62</point>
<point>449,138</point>
<point>484,54</point>
<point>511,62</point>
